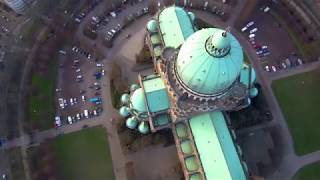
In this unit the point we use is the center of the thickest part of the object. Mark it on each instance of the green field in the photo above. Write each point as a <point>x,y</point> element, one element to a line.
<point>310,172</point>
<point>16,165</point>
<point>41,101</point>
<point>299,99</point>
<point>84,155</point>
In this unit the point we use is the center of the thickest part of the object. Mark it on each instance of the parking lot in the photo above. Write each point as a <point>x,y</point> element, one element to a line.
<point>273,45</point>
<point>78,87</point>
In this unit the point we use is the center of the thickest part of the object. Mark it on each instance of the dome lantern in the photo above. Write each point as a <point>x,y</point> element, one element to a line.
<point>218,45</point>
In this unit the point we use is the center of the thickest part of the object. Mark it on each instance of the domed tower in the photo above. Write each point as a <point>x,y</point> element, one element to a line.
<point>205,75</point>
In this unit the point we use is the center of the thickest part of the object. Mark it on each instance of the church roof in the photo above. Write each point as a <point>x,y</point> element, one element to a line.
<point>218,154</point>
<point>175,26</point>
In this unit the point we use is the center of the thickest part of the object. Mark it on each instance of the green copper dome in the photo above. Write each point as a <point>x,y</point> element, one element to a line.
<point>131,122</point>
<point>253,92</point>
<point>133,87</point>
<point>124,111</point>
<point>192,16</point>
<point>143,128</point>
<point>137,101</point>
<point>209,61</point>
<point>152,26</point>
<point>125,98</point>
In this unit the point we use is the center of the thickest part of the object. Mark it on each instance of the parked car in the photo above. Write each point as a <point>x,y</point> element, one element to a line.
<point>253,30</point>
<point>70,120</point>
<point>71,102</point>
<point>86,113</point>
<point>252,35</point>
<point>250,24</point>
<point>267,68</point>
<point>61,103</point>
<point>78,116</point>
<point>83,98</point>
<point>57,121</point>
<point>274,69</point>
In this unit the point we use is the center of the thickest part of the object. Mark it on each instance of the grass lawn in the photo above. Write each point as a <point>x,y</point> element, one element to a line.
<point>16,165</point>
<point>299,99</point>
<point>41,103</point>
<point>310,172</point>
<point>84,155</point>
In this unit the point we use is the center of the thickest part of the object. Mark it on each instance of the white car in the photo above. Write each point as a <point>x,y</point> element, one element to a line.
<point>71,101</point>
<point>99,65</point>
<point>250,24</point>
<point>300,61</point>
<point>57,121</point>
<point>267,68</point>
<point>70,120</point>
<point>253,30</point>
<point>83,98</point>
<point>61,103</point>
<point>79,77</point>
<point>102,72</point>
<point>284,65</point>
<point>75,100</point>
<point>274,69</point>
<point>78,116</point>
<point>259,52</point>
<point>86,113</point>
<point>95,113</point>
<point>252,35</point>
<point>244,29</point>
<point>78,70</point>
<point>266,9</point>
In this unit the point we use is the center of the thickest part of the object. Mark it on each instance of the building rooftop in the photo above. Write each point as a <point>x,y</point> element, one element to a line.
<point>175,25</point>
<point>215,146</point>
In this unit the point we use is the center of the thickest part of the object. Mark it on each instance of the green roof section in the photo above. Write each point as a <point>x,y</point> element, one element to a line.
<point>215,146</point>
<point>155,39</point>
<point>175,26</point>
<point>196,176</point>
<point>137,101</point>
<point>157,51</point>
<point>203,72</point>
<point>186,147</point>
<point>161,120</point>
<point>181,130</point>
<point>191,163</point>
<point>152,26</point>
<point>156,94</point>
<point>228,146</point>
